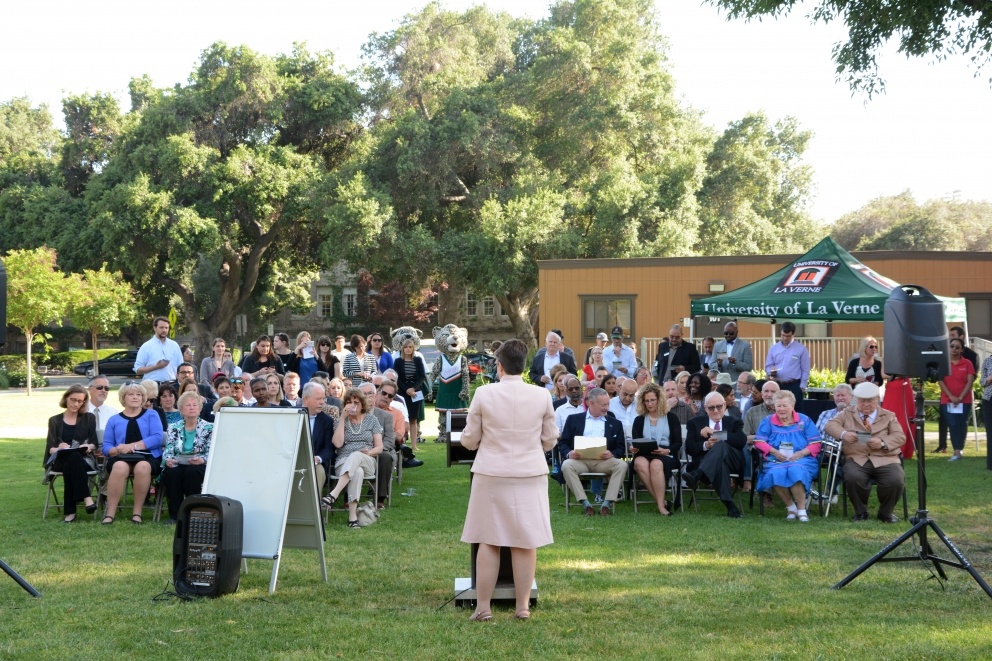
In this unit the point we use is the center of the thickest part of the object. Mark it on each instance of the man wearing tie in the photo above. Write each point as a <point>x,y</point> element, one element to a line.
<point>739,357</point>
<point>594,422</point>
<point>716,443</point>
<point>321,431</point>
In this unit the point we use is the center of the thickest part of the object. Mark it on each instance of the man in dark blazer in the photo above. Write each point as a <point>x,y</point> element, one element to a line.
<point>547,358</point>
<point>675,355</point>
<point>595,421</point>
<point>321,432</point>
<point>715,458</point>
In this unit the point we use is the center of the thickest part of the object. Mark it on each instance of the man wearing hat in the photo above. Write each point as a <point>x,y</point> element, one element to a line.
<point>619,359</point>
<point>870,438</point>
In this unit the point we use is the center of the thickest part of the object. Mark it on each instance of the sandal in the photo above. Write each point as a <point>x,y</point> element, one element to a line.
<point>107,520</point>
<point>353,524</point>
<point>803,518</point>
<point>791,516</point>
<point>483,616</point>
<point>139,519</point>
<point>522,615</point>
<point>327,502</point>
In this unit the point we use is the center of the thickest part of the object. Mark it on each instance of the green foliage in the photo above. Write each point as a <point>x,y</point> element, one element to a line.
<point>898,222</point>
<point>4,379</point>
<point>937,29</point>
<point>19,378</point>
<point>103,304</point>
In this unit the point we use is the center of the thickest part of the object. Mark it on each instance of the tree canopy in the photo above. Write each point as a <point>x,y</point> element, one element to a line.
<point>935,28</point>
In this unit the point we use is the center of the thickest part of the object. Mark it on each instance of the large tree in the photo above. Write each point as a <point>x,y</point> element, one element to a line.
<point>935,28</point>
<point>102,303</point>
<point>36,294</point>
<point>497,142</point>
<point>205,196</point>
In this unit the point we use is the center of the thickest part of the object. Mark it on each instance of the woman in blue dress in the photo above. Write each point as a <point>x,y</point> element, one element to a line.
<point>789,442</point>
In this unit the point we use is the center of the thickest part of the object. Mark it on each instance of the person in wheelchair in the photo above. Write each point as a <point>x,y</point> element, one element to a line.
<point>789,442</point>
<point>871,438</point>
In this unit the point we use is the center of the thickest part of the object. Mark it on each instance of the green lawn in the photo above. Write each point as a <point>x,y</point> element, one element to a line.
<point>632,586</point>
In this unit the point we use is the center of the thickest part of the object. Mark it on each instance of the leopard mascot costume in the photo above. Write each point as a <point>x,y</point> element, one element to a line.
<point>451,373</point>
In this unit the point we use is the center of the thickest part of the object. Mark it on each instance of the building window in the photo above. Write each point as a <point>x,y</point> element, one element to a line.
<point>325,305</point>
<point>471,304</point>
<point>601,313</point>
<point>350,301</point>
<point>489,306</point>
<point>979,310</point>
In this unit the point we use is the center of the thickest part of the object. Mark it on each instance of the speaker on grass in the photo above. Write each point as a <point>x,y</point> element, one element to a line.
<point>206,551</point>
<point>916,335</point>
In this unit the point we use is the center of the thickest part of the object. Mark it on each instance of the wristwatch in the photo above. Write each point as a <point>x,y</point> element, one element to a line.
<point>885,446</point>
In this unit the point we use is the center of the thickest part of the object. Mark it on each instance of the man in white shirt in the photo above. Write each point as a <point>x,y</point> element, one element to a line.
<point>619,359</point>
<point>321,432</point>
<point>573,404</point>
<point>159,357</point>
<point>291,389</point>
<point>99,388</point>
<point>548,357</point>
<point>624,407</point>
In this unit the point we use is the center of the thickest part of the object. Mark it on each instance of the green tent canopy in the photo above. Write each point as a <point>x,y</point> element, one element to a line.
<point>827,284</point>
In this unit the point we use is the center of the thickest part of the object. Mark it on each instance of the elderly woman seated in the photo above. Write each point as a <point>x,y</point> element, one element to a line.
<point>871,438</point>
<point>132,444</point>
<point>358,441</point>
<point>789,442</point>
<point>187,444</point>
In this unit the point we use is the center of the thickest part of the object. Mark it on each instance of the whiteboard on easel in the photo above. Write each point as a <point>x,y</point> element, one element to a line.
<point>263,457</point>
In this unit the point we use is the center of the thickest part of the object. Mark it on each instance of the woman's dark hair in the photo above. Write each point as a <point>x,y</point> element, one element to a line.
<point>606,377</point>
<point>705,386</point>
<point>724,389</point>
<point>221,379</point>
<point>512,355</point>
<point>382,344</point>
<point>254,350</point>
<point>170,387</point>
<point>356,340</point>
<point>283,338</point>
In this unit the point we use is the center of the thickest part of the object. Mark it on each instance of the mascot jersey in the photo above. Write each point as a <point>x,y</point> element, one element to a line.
<point>450,385</point>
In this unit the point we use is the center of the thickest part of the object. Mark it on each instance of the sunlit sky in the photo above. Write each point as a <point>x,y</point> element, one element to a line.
<point>929,133</point>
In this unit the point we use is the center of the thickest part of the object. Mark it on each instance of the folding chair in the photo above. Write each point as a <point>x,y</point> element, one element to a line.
<point>736,493</point>
<point>373,480</point>
<point>52,496</point>
<point>905,502</point>
<point>673,485</point>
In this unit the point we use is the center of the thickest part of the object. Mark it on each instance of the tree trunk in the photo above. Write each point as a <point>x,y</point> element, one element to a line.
<point>29,336</point>
<point>517,306</point>
<point>96,354</point>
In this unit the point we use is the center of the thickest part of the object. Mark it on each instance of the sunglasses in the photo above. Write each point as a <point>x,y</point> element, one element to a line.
<point>100,387</point>
<point>730,332</point>
<point>377,339</point>
<point>718,407</point>
<point>238,382</point>
<point>388,395</point>
<point>872,346</point>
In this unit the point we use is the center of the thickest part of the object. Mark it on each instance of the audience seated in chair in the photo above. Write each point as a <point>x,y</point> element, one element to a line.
<point>187,444</point>
<point>656,423</point>
<point>872,456</point>
<point>713,457</point>
<point>75,428</point>
<point>594,422</point>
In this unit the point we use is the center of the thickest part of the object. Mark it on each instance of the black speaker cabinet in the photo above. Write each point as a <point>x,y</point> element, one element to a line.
<point>916,334</point>
<point>3,304</point>
<point>206,552</point>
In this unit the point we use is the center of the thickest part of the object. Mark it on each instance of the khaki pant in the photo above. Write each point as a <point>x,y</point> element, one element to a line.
<point>357,465</point>
<point>615,468</point>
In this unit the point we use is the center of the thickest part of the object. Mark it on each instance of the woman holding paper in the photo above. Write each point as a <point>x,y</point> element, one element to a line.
<point>956,397</point>
<point>187,444</point>
<point>789,442</point>
<point>655,423</point>
<point>512,425</point>
<point>132,443</point>
<point>73,428</point>
<point>410,377</point>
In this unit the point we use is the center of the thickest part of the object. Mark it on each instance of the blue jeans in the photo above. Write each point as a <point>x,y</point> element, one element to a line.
<point>957,425</point>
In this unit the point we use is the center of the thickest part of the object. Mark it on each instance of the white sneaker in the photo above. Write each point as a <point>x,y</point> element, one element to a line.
<point>954,457</point>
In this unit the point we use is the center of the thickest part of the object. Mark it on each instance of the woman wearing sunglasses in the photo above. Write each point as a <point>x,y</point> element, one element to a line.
<point>866,366</point>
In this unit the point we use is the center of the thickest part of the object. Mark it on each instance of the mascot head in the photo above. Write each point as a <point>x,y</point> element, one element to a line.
<point>404,333</point>
<point>450,340</point>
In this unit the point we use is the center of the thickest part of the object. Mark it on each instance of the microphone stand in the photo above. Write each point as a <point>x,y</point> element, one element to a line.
<point>20,581</point>
<point>921,522</point>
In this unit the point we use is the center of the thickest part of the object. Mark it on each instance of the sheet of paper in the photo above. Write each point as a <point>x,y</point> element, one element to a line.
<point>418,397</point>
<point>955,408</point>
<point>786,449</point>
<point>590,447</point>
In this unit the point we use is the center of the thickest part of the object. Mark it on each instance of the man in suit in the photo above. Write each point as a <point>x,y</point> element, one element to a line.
<point>594,422</point>
<point>674,356</point>
<point>714,457</point>
<point>321,432</point>
<point>387,458</point>
<point>874,459</point>
<point>548,357</point>
<point>739,356</point>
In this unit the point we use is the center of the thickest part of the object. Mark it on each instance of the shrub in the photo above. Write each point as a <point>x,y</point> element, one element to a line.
<point>4,381</point>
<point>19,379</point>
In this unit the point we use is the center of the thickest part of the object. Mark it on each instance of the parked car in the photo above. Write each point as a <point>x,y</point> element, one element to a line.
<point>119,363</point>
<point>481,363</point>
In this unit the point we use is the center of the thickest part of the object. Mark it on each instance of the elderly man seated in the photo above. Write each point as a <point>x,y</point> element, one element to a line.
<point>594,422</point>
<point>716,443</point>
<point>870,439</point>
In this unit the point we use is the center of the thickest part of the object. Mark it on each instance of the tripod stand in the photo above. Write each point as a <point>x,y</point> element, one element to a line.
<point>20,581</point>
<point>921,522</point>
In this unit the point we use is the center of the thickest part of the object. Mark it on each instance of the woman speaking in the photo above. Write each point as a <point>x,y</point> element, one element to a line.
<point>512,425</point>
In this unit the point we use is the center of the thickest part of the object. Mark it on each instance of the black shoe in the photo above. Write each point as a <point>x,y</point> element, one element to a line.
<point>691,479</point>
<point>406,452</point>
<point>860,517</point>
<point>891,518</point>
<point>91,508</point>
<point>734,513</point>
<point>412,463</point>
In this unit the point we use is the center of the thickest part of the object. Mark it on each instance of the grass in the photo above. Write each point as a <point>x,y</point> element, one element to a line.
<point>696,586</point>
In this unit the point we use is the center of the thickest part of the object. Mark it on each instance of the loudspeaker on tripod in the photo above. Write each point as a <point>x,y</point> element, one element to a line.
<point>916,335</point>
<point>206,551</point>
